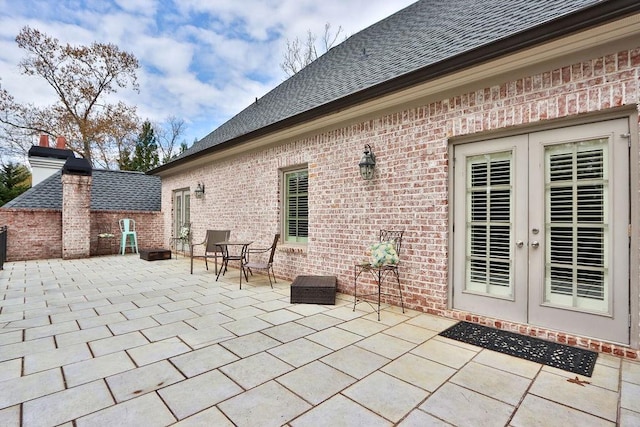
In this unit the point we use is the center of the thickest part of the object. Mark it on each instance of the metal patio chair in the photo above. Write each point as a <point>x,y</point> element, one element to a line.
<point>183,238</point>
<point>267,263</point>
<point>128,234</point>
<point>105,239</point>
<point>211,250</point>
<point>380,270</point>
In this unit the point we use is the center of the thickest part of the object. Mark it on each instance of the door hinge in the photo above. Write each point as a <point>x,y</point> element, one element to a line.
<point>628,137</point>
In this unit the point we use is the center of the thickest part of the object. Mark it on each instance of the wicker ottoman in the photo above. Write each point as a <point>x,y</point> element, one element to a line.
<point>155,254</point>
<point>314,290</point>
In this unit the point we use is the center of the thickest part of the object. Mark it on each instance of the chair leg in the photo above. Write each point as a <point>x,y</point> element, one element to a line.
<point>269,276</point>
<point>379,286</point>
<point>223,269</point>
<point>243,270</point>
<point>355,287</point>
<point>399,289</point>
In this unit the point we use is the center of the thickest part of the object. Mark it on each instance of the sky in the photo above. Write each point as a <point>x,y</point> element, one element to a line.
<point>202,61</point>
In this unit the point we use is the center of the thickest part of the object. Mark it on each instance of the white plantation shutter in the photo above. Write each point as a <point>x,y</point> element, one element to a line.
<point>489,225</point>
<point>577,224</point>
<point>297,206</point>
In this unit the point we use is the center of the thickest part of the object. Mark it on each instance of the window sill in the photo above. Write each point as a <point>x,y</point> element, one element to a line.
<point>292,249</point>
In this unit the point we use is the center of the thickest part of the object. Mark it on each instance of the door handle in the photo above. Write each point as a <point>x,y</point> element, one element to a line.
<point>535,244</point>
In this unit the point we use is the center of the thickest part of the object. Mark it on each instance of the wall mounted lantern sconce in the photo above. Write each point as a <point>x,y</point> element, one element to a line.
<point>367,163</point>
<point>199,191</point>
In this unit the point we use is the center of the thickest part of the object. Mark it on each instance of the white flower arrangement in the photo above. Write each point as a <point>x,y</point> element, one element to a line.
<point>184,233</point>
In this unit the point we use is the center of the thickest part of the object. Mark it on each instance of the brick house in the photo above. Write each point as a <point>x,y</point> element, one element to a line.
<point>70,205</point>
<point>505,137</point>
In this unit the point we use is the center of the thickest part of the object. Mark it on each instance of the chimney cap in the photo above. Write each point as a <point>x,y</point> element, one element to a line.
<point>49,152</point>
<point>44,140</point>
<point>61,142</point>
<point>77,166</point>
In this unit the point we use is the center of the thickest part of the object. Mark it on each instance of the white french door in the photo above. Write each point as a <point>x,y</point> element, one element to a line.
<point>541,229</point>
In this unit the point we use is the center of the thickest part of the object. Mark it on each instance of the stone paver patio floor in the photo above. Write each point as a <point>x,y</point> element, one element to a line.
<point>117,340</point>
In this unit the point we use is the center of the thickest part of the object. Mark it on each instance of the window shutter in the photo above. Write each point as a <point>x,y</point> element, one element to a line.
<point>489,225</point>
<point>577,187</point>
<point>297,209</point>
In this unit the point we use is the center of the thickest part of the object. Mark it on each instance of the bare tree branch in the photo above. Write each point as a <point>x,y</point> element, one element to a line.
<point>168,133</point>
<point>299,54</point>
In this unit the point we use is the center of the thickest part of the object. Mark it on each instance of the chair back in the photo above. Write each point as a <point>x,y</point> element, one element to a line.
<point>127,225</point>
<point>392,235</point>
<point>273,247</point>
<point>104,228</point>
<point>214,236</point>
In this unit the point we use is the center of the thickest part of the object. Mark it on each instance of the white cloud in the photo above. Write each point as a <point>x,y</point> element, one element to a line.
<point>144,7</point>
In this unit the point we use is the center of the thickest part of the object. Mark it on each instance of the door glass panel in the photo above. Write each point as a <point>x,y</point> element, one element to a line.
<point>178,214</point>
<point>182,209</point>
<point>489,226</point>
<point>187,209</point>
<point>577,225</point>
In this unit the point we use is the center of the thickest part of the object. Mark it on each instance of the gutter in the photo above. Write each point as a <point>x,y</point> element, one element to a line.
<point>598,14</point>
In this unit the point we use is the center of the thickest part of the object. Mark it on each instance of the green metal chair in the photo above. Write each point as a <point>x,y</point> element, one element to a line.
<point>128,232</point>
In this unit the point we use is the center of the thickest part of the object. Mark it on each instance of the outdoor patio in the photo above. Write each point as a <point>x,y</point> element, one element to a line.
<point>117,340</point>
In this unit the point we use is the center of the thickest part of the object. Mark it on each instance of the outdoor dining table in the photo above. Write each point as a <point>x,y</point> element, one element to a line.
<point>239,254</point>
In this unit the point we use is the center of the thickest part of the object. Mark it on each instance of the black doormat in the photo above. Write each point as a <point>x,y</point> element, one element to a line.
<point>572,359</point>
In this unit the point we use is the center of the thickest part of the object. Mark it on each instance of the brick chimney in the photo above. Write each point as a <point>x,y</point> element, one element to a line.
<point>76,206</point>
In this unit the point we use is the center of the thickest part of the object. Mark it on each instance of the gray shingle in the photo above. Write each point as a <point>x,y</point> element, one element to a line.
<point>46,195</point>
<point>110,190</point>
<point>421,35</point>
<point>119,190</point>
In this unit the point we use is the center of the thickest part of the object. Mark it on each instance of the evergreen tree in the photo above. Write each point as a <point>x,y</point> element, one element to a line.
<point>15,179</point>
<point>145,156</point>
<point>125,163</point>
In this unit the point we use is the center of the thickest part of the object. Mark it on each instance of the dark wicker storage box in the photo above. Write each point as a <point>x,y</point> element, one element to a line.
<point>155,254</point>
<point>314,290</point>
